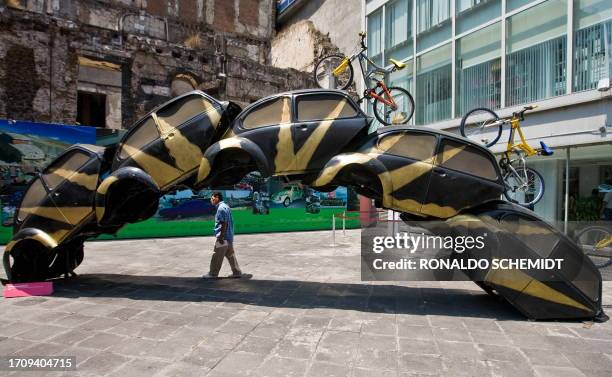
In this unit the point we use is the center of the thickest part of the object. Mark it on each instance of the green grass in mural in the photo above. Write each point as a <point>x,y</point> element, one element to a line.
<point>282,220</point>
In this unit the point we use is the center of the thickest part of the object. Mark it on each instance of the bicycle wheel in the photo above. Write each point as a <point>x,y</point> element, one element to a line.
<point>476,126</point>
<point>325,77</point>
<point>401,114</point>
<point>524,186</point>
<point>589,238</point>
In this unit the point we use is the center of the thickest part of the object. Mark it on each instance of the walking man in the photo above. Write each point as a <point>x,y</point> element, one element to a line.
<point>224,245</point>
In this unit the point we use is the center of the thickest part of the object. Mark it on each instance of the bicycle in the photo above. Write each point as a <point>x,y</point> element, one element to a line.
<point>596,242</point>
<point>524,185</point>
<point>392,105</point>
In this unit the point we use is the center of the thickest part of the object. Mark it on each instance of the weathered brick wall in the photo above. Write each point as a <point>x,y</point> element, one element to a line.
<point>39,50</point>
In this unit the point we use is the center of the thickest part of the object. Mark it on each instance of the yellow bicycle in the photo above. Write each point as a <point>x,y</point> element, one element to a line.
<point>524,185</point>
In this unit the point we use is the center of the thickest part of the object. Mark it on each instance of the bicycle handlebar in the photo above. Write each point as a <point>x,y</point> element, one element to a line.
<point>521,114</point>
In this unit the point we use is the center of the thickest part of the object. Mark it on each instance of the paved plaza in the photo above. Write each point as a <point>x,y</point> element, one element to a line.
<point>139,308</point>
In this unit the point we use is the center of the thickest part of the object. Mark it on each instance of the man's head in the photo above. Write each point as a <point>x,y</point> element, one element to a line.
<point>216,198</point>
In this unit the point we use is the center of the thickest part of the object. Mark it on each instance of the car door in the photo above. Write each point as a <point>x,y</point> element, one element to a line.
<point>466,171</point>
<point>268,125</point>
<point>187,126</point>
<point>408,157</point>
<point>72,182</point>
<point>325,123</point>
<point>143,148</point>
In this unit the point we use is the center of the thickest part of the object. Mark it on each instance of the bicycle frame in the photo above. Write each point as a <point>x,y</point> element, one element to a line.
<point>523,145</point>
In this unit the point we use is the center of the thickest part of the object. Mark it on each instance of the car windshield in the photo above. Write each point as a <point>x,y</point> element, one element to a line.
<point>33,197</point>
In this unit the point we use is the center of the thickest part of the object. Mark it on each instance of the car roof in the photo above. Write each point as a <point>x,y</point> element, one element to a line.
<point>94,149</point>
<point>292,93</point>
<point>450,135</point>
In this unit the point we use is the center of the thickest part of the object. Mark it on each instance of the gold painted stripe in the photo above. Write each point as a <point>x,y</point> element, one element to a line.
<point>409,173</point>
<point>285,158</point>
<point>51,213</point>
<point>39,236</point>
<point>89,181</point>
<point>519,281</point>
<point>203,170</point>
<point>161,172</point>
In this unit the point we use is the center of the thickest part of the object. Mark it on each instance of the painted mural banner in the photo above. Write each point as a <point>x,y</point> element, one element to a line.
<point>259,205</point>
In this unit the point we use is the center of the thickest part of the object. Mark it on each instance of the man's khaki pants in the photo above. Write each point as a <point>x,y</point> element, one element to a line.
<point>223,250</point>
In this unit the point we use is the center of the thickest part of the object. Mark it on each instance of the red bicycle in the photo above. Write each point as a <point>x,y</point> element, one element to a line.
<point>392,105</point>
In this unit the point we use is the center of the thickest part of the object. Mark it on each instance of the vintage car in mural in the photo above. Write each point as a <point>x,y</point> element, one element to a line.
<point>291,134</point>
<point>288,195</point>
<point>411,169</point>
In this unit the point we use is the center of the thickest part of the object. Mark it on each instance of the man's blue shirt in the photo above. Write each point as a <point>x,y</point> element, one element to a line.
<point>224,214</point>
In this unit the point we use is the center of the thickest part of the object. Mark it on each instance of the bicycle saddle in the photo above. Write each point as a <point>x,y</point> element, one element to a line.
<point>546,151</point>
<point>399,65</point>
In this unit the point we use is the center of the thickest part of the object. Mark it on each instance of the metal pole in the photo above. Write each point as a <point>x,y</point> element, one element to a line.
<point>344,223</point>
<point>567,178</point>
<point>334,230</point>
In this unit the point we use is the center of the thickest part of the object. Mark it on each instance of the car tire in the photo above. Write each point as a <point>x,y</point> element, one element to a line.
<point>287,202</point>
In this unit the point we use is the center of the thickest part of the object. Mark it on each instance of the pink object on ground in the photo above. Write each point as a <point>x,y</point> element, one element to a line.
<point>44,288</point>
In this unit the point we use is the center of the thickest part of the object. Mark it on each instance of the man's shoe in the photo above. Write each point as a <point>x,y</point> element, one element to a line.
<point>235,275</point>
<point>209,276</point>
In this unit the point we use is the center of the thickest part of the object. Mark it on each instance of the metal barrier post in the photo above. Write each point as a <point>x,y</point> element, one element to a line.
<point>333,230</point>
<point>344,224</point>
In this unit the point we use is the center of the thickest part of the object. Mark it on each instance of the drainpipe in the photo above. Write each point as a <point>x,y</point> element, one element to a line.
<point>567,178</point>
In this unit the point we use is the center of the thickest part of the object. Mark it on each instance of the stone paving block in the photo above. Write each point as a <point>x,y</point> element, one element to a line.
<point>509,369</point>
<point>16,328</point>
<point>591,360</point>
<point>81,354</point>
<point>223,340</point>
<point>456,334</point>
<point>237,327</point>
<point>546,357</point>
<point>501,353</point>
<point>256,344</point>
<point>318,369</point>
<point>530,341</point>
<point>490,337</point>
<point>101,341</point>
<point>550,371</point>
<point>205,356</point>
<point>458,349</point>
<point>364,372</point>
<point>124,313</point>
<point>10,346</point>
<point>295,349</point>
<point>430,364</point>
<point>158,332</point>
<point>281,367</point>
<point>416,332</point>
<point>458,366</point>
<point>99,324</point>
<point>380,326</point>
<point>377,359</point>
<point>139,368</point>
<point>43,349</point>
<point>135,347</point>
<point>102,363</point>
<point>182,369</point>
<point>418,346</point>
<point>239,363</point>
<point>39,332</point>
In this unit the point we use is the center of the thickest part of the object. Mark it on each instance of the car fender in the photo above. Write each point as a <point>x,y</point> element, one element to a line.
<point>235,142</point>
<point>367,161</point>
<point>26,234</point>
<point>117,176</point>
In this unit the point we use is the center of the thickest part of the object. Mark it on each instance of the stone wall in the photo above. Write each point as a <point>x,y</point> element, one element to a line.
<point>134,52</point>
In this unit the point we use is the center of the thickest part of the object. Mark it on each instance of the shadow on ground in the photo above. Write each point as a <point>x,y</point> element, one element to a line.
<point>291,294</point>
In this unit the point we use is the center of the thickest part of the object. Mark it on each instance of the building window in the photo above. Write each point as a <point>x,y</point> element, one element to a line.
<point>375,37</point>
<point>479,70</point>
<point>91,109</point>
<point>592,41</point>
<point>434,76</point>
<point>536,53</point>
<point>398,29</point>
<point>433,23</point>
<point>472,13</point>
<point>515,4</point>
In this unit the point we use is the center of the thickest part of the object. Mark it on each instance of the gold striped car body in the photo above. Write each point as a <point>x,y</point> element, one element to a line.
<point>413,169</point>
<point>162,150</point>
<point>58,202</point>
<point>289,134</point>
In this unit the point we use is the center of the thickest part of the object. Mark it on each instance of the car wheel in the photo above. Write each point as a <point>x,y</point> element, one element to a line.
<point>286,202</point>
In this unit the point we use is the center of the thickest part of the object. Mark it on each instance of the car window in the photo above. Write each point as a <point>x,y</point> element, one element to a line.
<point>462,157</point>
<point>63,168</point>
<point>324,106</point>
<point>146,133</point>
<point>269,113</point>
<point>181,111</point>
<point>32,198</point>
<point>415,145</point>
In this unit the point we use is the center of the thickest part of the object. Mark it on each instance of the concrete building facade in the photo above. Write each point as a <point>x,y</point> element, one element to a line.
<point>106,63</point>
